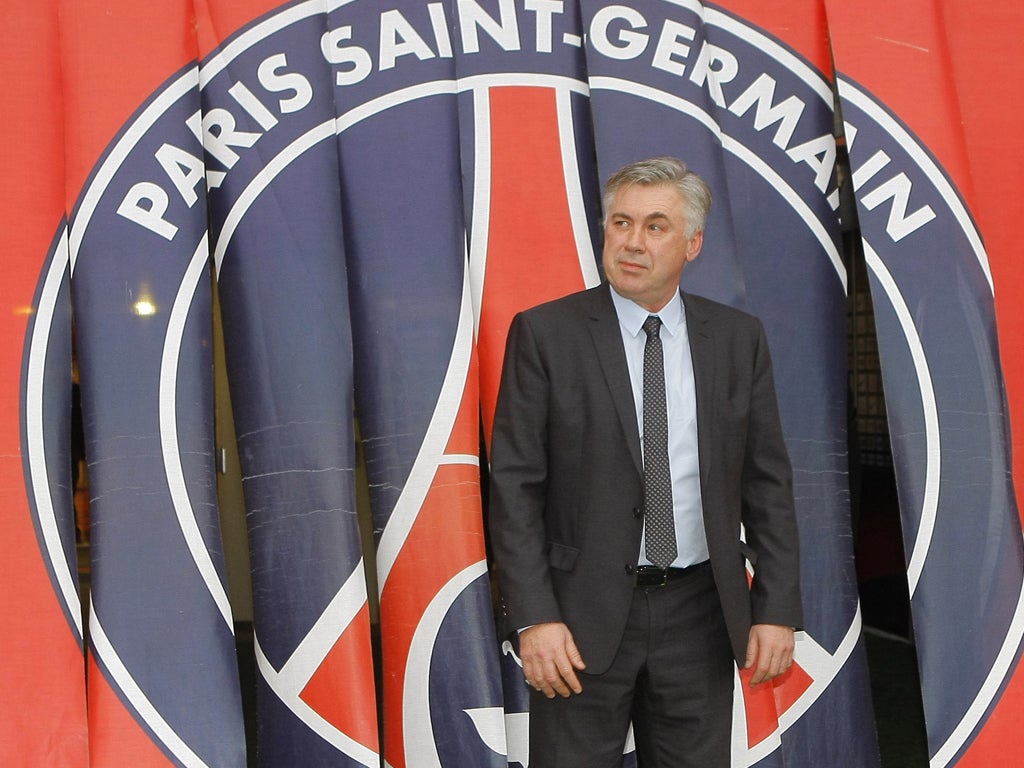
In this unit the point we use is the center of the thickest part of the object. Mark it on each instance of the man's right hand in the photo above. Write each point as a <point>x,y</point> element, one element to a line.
<point>551,659</point>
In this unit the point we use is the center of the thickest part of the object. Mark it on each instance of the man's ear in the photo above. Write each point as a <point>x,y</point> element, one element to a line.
<point>695,244</point>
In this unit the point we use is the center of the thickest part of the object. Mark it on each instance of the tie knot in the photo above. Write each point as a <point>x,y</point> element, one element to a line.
<point>652,325</point>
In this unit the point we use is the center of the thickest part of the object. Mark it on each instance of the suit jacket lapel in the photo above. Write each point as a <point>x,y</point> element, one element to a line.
<point>702,353</point>
<point>604,330</point>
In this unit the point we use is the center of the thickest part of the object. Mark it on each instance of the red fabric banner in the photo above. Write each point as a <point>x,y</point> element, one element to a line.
<point>43,696</point>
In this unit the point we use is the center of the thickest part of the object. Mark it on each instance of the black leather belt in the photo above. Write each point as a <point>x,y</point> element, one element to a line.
<point>653,576</point>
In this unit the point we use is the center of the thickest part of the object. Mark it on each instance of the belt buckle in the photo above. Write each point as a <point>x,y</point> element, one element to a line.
<point>645,576</point>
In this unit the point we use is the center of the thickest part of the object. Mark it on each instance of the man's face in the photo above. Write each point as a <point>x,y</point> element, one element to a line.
<point>645,243</point>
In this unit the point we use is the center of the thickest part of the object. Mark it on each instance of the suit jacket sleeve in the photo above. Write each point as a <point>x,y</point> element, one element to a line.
<point>519,479</point>
<point>767,506</point>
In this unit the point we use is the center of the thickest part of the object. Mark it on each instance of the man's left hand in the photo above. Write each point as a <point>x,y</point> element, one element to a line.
<point>769,651</point>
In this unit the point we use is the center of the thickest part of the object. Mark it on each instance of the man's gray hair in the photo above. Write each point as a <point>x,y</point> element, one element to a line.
<point>694,190</point>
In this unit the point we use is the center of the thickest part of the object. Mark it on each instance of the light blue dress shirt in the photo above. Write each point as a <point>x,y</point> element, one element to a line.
<point>681,399</point>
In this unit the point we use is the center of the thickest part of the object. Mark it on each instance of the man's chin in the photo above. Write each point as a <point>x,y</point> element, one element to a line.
<point>629,287</point>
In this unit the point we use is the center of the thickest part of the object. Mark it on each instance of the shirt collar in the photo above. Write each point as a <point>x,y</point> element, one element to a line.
<point>632,316</point>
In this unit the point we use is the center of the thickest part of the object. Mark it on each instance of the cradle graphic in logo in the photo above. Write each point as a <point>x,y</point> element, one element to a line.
<point>284,98</point>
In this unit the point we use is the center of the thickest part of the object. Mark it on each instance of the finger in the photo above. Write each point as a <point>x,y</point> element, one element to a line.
<point>543,676</point>
<point>773,664</point>
<point>786,662</point>
<point>762,667</point>
<point>574,661</point>
<point>534,678</point>
<point>546,688</point>
<point>575,657</point>
<point>554,682</point>
<point>568,674</point>
<point>752,650</point>
<point>784,654</point>
<point>533,675</point>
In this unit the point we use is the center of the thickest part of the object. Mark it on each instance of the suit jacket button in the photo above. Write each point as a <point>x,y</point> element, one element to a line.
<point>637,512</point>
<point>629,569</point>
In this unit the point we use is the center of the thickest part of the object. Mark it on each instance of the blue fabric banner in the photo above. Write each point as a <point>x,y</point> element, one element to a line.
<point>160,626</point>
<point>415,387</point>
<point>276,214</point>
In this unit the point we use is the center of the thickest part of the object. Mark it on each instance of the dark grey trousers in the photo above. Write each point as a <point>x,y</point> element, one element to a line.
<point>673,677</point>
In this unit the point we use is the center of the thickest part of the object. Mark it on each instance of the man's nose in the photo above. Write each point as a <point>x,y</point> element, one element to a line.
<point>635,241</point>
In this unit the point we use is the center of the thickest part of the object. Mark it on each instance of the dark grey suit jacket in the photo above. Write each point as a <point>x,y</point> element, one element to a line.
<point>566,485</point>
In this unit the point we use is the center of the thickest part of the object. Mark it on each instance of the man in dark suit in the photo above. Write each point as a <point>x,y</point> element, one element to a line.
<point>637,464</point>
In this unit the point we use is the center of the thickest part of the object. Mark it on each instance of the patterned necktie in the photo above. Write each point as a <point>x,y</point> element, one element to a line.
<point>659,525</point>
